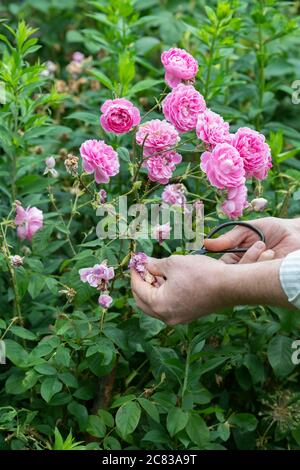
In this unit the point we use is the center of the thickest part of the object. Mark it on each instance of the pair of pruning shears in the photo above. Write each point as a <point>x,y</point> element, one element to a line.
<point>259,233</point>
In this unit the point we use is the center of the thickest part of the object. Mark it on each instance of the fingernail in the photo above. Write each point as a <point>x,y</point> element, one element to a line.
<point>259,245</point>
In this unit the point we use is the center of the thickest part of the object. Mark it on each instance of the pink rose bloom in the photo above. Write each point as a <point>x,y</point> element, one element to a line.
<point>160,167</point>
<point>179,65</point>
<point>156,136</point>
<point>105,300</point>
<point>28,221</point>
<point>100,159</point>
<point>119,116</point>
<point>212,129</point>
<point>254,151</point>
<point>223,166</point>
<point>182,106</point>
<point>97,276</point>
<point>161,232</point>
<point>174,194</point>
<point>236,202</point>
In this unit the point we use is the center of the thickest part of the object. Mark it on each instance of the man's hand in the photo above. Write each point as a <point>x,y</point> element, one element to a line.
<point>192,288</point>
<point>282,237</point>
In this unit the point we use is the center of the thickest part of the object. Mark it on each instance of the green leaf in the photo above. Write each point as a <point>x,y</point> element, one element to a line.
<point>197,430</point>
<point>45,369</point>
<point>150,408</point>
<point>280,355</point>
<point>22,333</point>
<point>95,426</point>
<point>246,421</point>
<point>176,420</point>
<point>102,78</point>
<point>50,387</point>
<point>36,284</point>
<point>87,118</point>
<point>143,85</point>
<point>15,353</point>
<point>80,413</point>
<point>127,418</point>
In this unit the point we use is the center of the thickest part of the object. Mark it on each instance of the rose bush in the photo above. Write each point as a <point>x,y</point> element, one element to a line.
<point>80,356</point>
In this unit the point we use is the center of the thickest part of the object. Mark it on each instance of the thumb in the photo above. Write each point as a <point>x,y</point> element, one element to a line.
<point>230,239</point>
<point>157,267</point>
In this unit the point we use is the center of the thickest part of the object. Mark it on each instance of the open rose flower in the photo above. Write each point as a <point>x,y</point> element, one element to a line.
<point>105,300</point>
<point>28,221</point>
<point>119,116</point>
<point>212,129</point>
<point>254,151</point>
<point>98,276</point>
<point>160,167</point>
<point>100,159</point>
<point>156,136</point>
<point>236,202</point>
<point>182,106</point>
<point>179,65</point>
<point>223,166</point>
<point>174,194</point>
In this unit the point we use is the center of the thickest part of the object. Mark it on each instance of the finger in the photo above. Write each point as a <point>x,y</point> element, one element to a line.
<point>267,255</point>
<point>253,253</point>
<point>157,267</point>
<point>229,240</point>
<point>230,258</point>
<point>141,288</point>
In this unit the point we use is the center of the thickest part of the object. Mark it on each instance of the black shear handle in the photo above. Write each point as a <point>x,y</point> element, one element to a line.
<point>260,234</point>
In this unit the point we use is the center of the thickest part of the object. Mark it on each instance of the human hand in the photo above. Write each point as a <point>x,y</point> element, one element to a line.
<point>192,288</point>
<point>282,237</point>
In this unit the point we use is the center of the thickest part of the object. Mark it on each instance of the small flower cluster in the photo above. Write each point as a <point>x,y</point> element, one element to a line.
<point>99,276</point>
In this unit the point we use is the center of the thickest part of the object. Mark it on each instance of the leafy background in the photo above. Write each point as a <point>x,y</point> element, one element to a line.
<point>79,377</point>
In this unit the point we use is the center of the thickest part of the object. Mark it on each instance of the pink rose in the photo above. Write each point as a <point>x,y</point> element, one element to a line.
<point>174,194</point>
<point>97,276</point>
<point>28,221</point>
<point>223,166</point>
<point>156,136</point>
<point>119,116</point>
<point>236,202</point>
<point>160,167</point>
<point>105,300</point>
<point>212,129</point>
<point>182,106</point>
<point>100,159</point>
<point>254,151</point>
<point>179,65</point>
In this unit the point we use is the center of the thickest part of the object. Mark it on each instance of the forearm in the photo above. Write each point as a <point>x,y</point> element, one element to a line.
<point>254,284</point>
